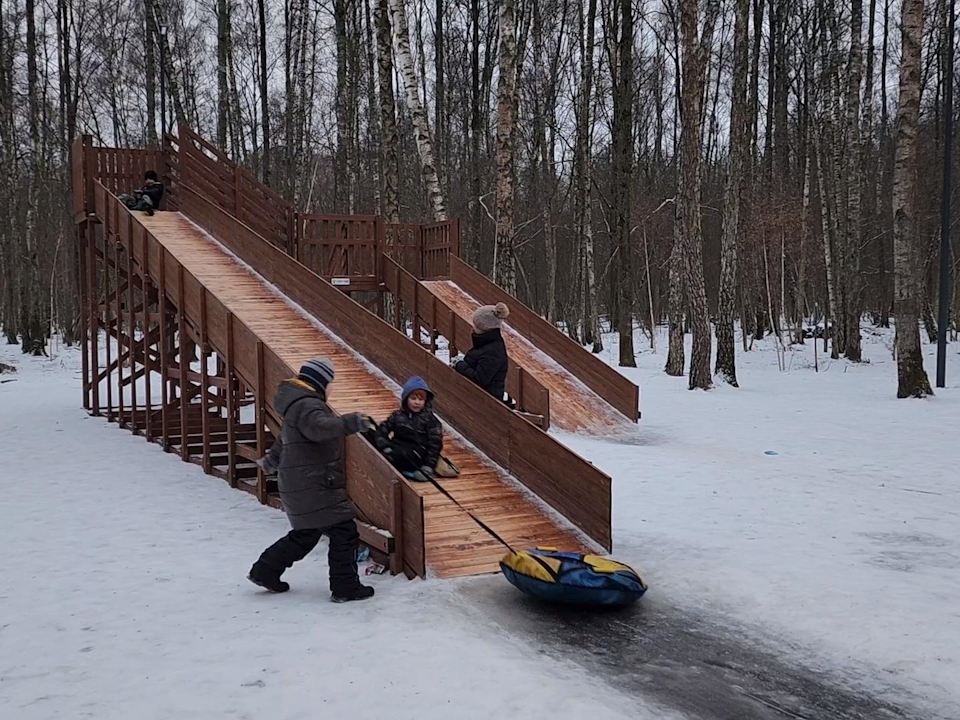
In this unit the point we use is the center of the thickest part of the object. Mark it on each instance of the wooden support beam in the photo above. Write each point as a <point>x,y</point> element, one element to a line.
<point>231,404</point>
<point>164,354</point>
<point>147,334</point>
<point>131,329</point>
<point>108,320</point>
<point>260,412</point>
<point>82,231</point>
<point>92,293</point>
<point>396,506</point>
<point>182,355</point>
<point>204,385</point>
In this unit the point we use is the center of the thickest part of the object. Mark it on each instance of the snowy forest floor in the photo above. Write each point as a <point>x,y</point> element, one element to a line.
<point>817,582</point>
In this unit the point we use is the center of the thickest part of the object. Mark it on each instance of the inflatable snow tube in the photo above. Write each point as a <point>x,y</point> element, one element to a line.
<point>572,578</point>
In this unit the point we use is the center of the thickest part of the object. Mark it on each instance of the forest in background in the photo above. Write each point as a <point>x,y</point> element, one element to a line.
<point>762,165</point>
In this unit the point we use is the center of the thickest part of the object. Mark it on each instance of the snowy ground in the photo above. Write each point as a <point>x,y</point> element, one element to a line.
<point>123,594</point>
<point>844,545</point>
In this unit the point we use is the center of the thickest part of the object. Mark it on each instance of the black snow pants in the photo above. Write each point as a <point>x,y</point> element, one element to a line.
<point>297,544</point>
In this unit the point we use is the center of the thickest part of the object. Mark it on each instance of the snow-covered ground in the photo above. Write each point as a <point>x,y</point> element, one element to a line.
<point>123,596</point>
<point>123,591</point>
<point>843,543</point>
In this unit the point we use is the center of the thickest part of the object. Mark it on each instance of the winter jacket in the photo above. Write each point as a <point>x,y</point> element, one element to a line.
<point>486,363</point>
<point>308,456</point>
<point>154,191</point>
<point>422,431</point>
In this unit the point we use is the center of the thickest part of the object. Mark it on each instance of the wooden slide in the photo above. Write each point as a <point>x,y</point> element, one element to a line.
<point>469,521</point>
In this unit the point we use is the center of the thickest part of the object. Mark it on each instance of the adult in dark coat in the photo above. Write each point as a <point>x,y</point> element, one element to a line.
<point>312,484</point>
<point>486,362</point>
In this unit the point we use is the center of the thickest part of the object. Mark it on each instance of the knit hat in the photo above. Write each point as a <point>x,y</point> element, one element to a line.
<point>489,317</point>
<point>318,372</point>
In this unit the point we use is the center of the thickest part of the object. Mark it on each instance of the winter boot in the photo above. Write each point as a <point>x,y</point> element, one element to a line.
<point>360,592</point>
<point>416,476</point>
<point>267,581</point>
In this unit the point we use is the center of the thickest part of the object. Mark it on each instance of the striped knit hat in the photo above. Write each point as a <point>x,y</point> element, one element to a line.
<point>318,372</point>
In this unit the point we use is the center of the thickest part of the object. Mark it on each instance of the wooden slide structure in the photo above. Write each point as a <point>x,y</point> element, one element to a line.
<point>206,308</point>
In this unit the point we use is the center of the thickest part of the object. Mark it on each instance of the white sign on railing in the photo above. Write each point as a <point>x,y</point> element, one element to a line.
<point>340,282</point>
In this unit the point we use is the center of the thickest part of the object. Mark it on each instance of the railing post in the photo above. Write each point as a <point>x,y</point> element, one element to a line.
<point>231,406</point>
<point>260,413</point>
<point>147,330</point>
<point>418,238</point>
<point>237,202</point>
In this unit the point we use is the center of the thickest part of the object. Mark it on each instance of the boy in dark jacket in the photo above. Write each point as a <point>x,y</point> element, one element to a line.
<point>486,362</point>
<point>312,484</point>
<point>412,437</point>
<point>149,197</point>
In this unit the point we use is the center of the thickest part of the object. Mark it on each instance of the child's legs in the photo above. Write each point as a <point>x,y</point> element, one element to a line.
<point>293,546</point>
<point>405,457</point>
<point>342,556</point>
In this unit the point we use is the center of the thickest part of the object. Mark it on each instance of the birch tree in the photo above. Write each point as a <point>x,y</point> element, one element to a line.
<point>504,270</point>
<point>421,125</point>
<point>912,378</point>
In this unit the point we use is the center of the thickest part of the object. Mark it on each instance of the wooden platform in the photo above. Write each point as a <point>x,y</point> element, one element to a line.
<point>573,406</point>
<point>470,520</point>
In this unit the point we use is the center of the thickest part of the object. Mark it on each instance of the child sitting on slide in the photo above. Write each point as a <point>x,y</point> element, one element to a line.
<point>412,437</point>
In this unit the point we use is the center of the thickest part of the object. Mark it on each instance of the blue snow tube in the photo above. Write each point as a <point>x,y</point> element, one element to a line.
<point>572,578</point>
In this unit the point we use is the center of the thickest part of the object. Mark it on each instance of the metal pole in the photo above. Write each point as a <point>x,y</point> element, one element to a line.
<point>945,210</point>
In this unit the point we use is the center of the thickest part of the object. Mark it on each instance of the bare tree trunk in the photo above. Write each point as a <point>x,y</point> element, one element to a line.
<point>622,81</point>
<point>913,381</point>
<point>421,124</point>
<point>504,270</point>
<point>264,89</point>
<point>168,71</point>
<point>726,366</point>
<point>440,111</point>
<point>854,234</point>
<point>675,351</point>
<point>583,167</point>
<point>695,52</point>
<point>150,72</point>
<point>222,94</point>
<point>388,116</point>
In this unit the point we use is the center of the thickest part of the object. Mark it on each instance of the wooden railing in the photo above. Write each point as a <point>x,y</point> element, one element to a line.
<point>343,249</point>
<point>605,381</point>
<point>561,478</point>
<point>380,494</point>
<point>234,189</point>
<point>430,312</point>
<point>119,170</point>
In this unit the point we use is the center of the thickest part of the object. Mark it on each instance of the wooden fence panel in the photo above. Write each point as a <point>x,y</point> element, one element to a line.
<point>593,372</point>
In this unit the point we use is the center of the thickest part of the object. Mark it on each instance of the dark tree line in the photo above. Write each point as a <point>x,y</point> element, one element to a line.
<point>727,168</point>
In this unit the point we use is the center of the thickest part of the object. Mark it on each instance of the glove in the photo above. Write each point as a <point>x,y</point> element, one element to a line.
<point>455,360</point>
<point>358,423</point>
<point>427,471</point>
<point>268,467</point>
